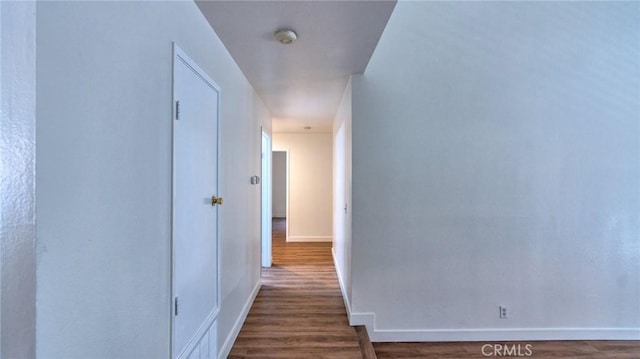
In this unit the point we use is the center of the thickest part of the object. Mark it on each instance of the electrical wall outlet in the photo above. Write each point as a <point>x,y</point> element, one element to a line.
<point>503,312</point>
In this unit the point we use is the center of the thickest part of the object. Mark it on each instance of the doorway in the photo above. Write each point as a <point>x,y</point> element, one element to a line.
<point>280,182</point>
<point>195,245</point>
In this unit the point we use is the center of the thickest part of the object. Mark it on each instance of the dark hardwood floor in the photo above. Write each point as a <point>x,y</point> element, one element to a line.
<point>537,349</point>
<point>299,313</point>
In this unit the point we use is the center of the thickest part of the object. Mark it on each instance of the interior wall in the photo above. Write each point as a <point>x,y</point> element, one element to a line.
<point>266,205</point>
<point>503,139</point>
<point>342,193</point>
<point>104,176</point>
<point>279,184</point>
<point>310,184</point>
<point>17,190</point>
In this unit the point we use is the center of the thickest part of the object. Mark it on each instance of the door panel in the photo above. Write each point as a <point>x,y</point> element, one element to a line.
<point>195,220</point>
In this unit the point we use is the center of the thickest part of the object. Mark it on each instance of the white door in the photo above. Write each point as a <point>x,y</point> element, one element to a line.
<point>195,219</point>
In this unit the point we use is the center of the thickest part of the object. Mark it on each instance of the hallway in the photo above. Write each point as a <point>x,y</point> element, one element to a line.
<point>299,312</point>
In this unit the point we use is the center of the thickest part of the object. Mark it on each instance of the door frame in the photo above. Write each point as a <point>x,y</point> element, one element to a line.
<point>288,191</point>
<point>266,257</point>
<point>287,155</point>
<point>181,56</point>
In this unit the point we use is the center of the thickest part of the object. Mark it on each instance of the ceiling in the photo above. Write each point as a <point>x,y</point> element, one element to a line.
<point>301,84</point>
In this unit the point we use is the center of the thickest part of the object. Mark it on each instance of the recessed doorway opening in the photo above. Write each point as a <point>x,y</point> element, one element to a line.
<point>280,185</point>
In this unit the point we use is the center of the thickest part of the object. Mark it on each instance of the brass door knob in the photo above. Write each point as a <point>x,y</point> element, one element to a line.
<point>216,200</point>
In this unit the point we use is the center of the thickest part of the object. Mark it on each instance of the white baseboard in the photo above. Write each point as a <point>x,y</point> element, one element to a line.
<point>343,289</point>
<point>228,343</point>
<point>507,334</point>
<point>489,334</point>
<point>310,239</point>
<point>366,319</point>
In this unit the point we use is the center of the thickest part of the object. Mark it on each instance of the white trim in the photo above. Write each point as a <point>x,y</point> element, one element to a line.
<point>235,330</point>
<point>366,319</point>
<point>310,239</point>
<point>197,337</point>
<point>504,334</point>
<point>343,289</point>
<point>288,188</point>
<point>488,334</point>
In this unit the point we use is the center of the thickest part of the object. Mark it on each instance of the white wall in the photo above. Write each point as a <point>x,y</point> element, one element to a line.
<point>104,176</point>
<point>496,162</point>
<point>342,193</point>
<point>279,184</point>
<point>17,169</point>
<point>310,185</point>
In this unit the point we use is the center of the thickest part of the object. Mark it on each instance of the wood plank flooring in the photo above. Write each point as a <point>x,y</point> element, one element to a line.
<point>299,312</point>
<point>538,349</point>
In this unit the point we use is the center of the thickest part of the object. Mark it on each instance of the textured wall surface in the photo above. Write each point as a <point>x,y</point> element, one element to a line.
<point>17,170</point>
<point>104,175</point>
<point>504,136</point>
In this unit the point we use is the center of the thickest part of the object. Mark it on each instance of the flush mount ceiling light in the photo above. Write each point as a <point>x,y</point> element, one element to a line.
<point>286,36</point>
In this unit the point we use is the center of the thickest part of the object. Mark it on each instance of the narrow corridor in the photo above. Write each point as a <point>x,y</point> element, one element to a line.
<point>299,312</point>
